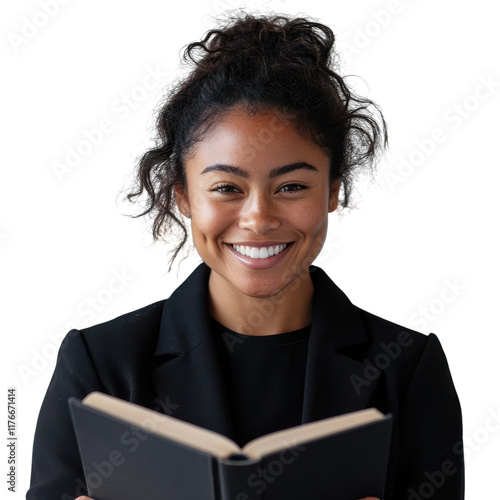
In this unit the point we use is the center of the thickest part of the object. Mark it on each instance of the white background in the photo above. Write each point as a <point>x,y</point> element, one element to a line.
<point>424,236</point>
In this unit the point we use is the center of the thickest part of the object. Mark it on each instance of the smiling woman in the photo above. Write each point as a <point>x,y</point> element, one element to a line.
<point>258,223</point>
<point>256,147</point>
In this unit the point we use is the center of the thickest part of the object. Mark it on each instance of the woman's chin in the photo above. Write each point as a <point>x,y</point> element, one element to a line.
<point>259,291</point>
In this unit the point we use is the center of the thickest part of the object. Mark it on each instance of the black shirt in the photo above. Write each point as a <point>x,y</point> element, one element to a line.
<point>264,379</point>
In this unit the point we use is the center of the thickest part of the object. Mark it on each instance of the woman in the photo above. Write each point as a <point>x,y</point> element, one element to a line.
<point>254,147</point>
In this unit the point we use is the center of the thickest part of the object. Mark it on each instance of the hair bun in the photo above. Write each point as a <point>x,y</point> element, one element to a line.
<point>273,41</point>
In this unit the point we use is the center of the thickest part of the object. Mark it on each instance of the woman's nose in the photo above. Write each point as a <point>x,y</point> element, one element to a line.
<point>259,215</point>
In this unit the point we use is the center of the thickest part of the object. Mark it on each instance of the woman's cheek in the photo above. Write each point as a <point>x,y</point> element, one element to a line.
<point>309,218</point>
<point>211,219</point>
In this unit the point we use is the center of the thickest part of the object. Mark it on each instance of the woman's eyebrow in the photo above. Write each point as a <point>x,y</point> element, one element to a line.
<point>275,172</point>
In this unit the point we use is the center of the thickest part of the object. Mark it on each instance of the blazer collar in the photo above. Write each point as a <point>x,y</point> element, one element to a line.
<point>184,322</point>
<point>188,374</point>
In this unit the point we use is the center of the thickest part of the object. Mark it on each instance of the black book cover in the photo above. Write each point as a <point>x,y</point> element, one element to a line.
<point>122,461</point>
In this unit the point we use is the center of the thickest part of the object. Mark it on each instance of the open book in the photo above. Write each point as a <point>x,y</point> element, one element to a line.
<point>130,452</point>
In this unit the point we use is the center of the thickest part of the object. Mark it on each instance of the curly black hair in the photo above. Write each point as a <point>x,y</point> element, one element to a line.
<point>260,62</point>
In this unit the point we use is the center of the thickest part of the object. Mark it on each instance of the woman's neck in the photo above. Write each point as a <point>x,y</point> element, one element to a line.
<point>286,311</point>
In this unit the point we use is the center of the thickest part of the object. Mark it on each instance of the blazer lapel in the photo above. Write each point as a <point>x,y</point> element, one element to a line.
<point>188,379</point>
<point>337,346</point>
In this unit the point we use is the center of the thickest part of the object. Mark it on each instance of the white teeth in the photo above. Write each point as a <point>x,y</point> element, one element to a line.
<point>259,253</point>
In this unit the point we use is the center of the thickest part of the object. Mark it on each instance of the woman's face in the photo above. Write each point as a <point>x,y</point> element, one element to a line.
<point>258,196</point>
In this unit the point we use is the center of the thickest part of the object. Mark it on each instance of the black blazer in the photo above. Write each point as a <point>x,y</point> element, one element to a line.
<point>163,356</point>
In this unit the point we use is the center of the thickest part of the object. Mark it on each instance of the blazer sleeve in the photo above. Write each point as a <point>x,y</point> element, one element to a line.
<point>431,462</point>
<point>56,471</point>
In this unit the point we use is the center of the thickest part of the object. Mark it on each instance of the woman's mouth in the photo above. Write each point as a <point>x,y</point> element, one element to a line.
<point>260,252</point>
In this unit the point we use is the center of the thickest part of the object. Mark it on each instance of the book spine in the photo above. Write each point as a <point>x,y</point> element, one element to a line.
<point>237,479</point>
<point>216,479</point>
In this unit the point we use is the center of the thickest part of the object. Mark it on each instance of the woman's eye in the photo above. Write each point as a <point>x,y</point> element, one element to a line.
<point>228,189</point>
<point>225,188</point>
<point>293,187</point>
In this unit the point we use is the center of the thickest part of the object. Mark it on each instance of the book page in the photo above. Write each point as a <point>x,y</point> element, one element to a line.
<point>299,434</point>
<point>172,428</point>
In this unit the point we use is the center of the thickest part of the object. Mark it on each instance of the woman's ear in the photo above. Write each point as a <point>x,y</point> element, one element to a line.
<point>182,199</point>
<point>333,201</point>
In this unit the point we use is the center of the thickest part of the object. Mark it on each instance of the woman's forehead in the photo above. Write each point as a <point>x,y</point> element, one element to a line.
<point>249,140</point>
